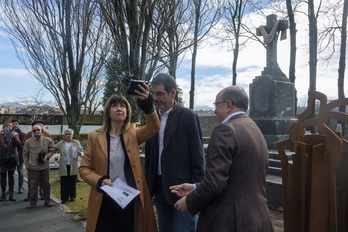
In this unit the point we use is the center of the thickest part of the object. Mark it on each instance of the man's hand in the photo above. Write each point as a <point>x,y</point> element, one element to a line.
<point>181,205</point>
<point>45,158</point>
<point>182,189</point>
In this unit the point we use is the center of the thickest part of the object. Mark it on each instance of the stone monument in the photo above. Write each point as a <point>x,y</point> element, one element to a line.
<point>272,95</point>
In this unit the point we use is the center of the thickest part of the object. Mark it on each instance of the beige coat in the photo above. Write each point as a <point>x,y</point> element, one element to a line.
<point>62,159</point>
<point>94,166</point>
<point>31,150</point>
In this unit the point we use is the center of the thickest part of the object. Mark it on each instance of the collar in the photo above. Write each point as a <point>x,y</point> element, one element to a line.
<point>231,115</point>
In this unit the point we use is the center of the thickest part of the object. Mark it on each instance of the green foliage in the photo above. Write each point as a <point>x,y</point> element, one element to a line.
<point>179,96</point>
<point>82,138</point>
<point>114,85</point>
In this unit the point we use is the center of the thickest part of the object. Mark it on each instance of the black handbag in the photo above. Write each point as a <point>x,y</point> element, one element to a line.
<point>9,159</point>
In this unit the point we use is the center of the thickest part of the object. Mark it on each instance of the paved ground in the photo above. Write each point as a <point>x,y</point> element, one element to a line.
<point>277,217</point>
<point>15,217</point>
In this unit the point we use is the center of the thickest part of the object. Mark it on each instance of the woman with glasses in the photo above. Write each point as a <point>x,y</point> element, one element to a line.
<point>69,149</point>
<point>112,153</point>
<point>9,140</point>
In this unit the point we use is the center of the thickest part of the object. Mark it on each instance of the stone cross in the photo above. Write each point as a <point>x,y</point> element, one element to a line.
<point>270,34</point>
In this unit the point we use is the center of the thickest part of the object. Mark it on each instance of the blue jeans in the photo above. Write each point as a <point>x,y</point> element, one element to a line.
<point>170,219</point>
<point>20,176</point>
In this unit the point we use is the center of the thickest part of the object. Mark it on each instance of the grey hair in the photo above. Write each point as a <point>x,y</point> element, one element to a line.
<point>237,96</point>
<point>70,130</point>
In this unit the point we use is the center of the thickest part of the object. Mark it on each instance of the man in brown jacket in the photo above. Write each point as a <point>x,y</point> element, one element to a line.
<point>28,136</point>
<point>37,151</point>
<point>232,195</point>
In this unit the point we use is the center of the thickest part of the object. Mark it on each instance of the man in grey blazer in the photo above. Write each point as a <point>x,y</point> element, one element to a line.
<point>173,156</point>
<point>232,195</point>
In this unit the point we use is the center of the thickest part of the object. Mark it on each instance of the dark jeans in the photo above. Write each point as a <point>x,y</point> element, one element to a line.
<point>170,219</point>
<point>20,176</point>
<point>4,181</point>
<point>68,186</point>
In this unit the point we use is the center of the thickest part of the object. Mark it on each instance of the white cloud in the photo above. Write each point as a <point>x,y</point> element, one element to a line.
<point>214,63</point>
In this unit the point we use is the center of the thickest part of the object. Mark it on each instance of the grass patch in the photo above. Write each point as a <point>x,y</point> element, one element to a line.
<point>79,206</point>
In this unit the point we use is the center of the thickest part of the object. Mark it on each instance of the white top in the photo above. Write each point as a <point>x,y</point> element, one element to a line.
<point>67,153</point>
<point>164,118</point>
<point>117,159</point>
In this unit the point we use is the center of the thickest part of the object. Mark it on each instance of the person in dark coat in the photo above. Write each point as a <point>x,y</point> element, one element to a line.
<point>8,140</point>
<point>174,155</point>
<point>232,195</point>
<point>20,167</point>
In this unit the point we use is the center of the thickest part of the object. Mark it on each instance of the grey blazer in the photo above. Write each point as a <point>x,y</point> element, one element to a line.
<point>232,195</point>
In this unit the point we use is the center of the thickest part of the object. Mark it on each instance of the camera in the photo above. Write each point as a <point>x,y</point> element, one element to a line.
<point>41,156</point>
<point>131,82</point>
<point>133,85</point>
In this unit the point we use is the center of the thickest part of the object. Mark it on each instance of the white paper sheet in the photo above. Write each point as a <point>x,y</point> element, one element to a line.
<point>120,192</point>
<point>79,149</point>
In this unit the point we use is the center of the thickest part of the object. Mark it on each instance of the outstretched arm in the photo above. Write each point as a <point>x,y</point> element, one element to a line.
<point>182,189</point>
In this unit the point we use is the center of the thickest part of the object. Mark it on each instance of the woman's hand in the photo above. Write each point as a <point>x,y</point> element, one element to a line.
<point>144,94</point>
<point>107,182</point>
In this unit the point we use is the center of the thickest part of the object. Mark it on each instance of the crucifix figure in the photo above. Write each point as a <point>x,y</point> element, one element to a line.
<point>270,34</point>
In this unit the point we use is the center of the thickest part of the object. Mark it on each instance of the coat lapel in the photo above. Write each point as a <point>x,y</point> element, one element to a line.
<point>103,143</point>
<point>174,122</point>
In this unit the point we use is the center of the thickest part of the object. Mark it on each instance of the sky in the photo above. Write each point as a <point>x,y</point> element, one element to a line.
<point>213,73</point>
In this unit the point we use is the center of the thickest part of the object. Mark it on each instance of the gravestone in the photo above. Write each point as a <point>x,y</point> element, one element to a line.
<point>272,95</point>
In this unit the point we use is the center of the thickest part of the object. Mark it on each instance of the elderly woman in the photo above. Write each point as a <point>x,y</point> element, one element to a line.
<point>113,152</point>
<point>9,140</point>
<point>69,149</point>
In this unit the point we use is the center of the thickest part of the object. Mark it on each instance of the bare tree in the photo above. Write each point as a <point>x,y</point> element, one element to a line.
<point>63,46</point>
<point>313,44</point>
<point>233,13</point>
<point>129,23</point>
<point>333,39</point>
<point>37,107</point>
<point>206,16</point>
<point>293,47</point>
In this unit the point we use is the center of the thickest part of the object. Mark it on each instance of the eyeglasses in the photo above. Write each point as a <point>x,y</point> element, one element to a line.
<point>159,94</point>
<point>216,103</point>
<point>36,130</point>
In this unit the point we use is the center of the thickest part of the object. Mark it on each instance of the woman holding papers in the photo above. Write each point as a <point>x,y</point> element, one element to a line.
<point>112,154</point>
<point>69,150</point>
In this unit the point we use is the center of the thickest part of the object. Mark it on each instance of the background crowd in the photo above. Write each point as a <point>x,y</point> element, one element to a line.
<point>227,189</point>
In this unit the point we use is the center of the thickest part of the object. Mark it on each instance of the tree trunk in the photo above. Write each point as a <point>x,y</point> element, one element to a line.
<point>313,38</point>
<point>293,48</point>
<point>194,53</point>
<point>342,61</point>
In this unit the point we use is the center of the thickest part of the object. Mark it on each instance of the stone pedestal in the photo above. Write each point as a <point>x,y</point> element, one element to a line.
<point>272,107</point>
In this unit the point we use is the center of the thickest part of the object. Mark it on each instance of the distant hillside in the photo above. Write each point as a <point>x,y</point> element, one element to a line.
<point>14,104</point>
